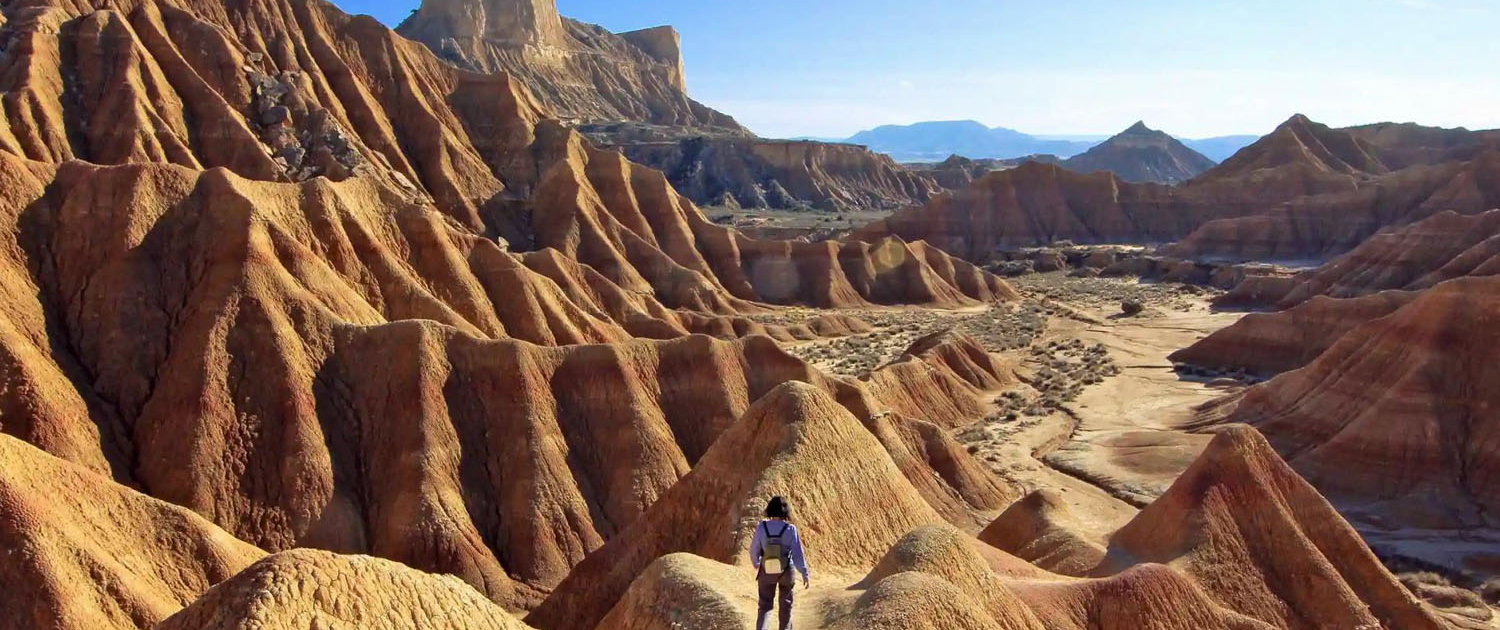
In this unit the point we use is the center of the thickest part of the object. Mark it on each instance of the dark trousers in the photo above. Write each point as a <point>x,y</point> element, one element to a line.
<point>769,585</point>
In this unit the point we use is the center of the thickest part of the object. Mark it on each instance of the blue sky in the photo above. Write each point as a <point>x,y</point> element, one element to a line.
<point>1195,68</point>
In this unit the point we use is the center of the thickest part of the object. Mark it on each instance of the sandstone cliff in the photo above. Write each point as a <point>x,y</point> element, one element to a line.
<point>581,72</point>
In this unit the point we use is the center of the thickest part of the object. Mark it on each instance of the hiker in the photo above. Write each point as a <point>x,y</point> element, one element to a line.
<point>775,551</point>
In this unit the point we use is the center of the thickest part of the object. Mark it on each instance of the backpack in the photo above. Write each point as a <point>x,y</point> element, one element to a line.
<point>773,553</point>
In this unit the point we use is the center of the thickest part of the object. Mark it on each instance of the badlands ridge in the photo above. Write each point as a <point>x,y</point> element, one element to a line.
<point>310,324</point>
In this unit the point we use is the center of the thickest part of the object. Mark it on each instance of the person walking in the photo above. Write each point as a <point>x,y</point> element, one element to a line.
<point>775,550</point>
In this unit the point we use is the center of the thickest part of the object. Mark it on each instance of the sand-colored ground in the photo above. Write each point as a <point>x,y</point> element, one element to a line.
<point>1129,437</point>
<point>1098,416</point>
<point>1119,443</point>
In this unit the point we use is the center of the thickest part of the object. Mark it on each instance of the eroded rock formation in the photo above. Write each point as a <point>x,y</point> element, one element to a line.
<point>1317,307</point>
<point>1239,542</point>
<point>1262,541</point>
<point>1394,411</point>
<point>796,442</point>
<point>1267,344</point>
<point>759,173</point>
<point>582,72</point>
<point>316,589</point>
<point>85,553</point>
<point>1322,226</point>
<point>1303,191</point>
<point>1410,258</point>
<point>1142,154</point>
<point>320,289</point>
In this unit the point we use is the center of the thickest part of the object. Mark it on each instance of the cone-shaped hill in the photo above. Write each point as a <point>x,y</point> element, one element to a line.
<point>1142,154</point>
<point>850,501</point>
<point>1262,541</point>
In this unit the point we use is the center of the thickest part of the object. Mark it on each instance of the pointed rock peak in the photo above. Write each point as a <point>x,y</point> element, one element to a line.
<point>795,402</point>
<point>1044,500</point>
<point>1241,515</point>
<point>1297,121</point>
<point>944,336</point>
<point>955,161</point>
<point>1239,454</point>
<point>1139,128</point>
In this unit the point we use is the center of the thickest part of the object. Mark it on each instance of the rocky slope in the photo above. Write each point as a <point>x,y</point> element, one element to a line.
<point>467,144</point>
<point>1322,226</point>
<point>1038,203</point>
<point>1267,344</point>
<point>1413,257</point>
<point>218,347</point>
<point>1332,155</point>
<point>1393,412</point>
<point>83,552</point>
<point>1317,307</point>
<point>759,173</point>
<point>1263,542</point>
<point>1142,154</point>
<point>316,589</point>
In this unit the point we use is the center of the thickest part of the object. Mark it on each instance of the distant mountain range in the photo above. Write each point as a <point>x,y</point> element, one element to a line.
<point>935,141</point>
